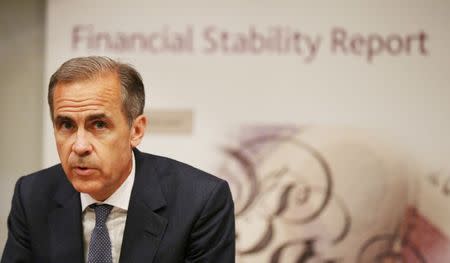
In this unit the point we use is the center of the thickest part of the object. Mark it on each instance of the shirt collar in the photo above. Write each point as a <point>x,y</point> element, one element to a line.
<point>120,198</point>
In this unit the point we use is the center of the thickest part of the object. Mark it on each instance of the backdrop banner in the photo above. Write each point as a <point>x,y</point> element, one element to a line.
<point>329,120</point>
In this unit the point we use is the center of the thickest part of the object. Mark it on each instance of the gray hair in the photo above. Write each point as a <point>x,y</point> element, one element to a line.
<point>87,68</point>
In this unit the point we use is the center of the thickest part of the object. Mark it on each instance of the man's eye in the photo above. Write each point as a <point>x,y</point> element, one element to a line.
<point>100,124</point>
<point>66,125</point>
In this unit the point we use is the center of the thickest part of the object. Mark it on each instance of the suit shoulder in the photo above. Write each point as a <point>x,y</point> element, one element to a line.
<point>42,180</point>
<point>175,171</point>
<point>41,175</point>
<point>186,189</point>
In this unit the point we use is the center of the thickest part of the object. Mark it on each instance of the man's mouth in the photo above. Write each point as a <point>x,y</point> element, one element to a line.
<point>83,170</point>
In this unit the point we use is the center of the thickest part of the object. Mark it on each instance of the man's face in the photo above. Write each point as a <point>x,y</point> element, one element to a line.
<point>92,135</point>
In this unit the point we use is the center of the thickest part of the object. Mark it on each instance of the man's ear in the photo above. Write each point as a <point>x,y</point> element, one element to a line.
<point>138,130</point>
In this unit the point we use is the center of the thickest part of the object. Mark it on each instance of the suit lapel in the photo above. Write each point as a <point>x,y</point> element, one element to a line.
<point>144,227</point>
<point>65,229</point>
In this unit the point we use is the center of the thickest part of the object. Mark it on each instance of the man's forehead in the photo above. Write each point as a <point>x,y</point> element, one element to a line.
<point>88,97</point>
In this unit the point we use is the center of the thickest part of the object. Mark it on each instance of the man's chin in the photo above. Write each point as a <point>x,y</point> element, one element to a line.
<point>89,188</point>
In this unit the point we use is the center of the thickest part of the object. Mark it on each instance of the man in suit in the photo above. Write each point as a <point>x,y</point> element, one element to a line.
<point>107,201</point>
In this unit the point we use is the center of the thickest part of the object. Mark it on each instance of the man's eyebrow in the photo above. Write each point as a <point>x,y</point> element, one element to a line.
<point>96,117</point>
<point>61,118</point>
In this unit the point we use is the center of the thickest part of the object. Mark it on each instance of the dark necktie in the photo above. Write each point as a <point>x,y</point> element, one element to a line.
<point>100,244</point>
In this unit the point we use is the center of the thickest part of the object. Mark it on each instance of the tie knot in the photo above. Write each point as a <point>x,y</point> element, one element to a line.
<point>101,213</point>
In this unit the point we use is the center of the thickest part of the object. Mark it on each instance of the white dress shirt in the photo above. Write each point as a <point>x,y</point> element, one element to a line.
<point>116,219</point>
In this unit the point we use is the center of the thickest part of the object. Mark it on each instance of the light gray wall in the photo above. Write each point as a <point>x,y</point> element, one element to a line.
<point>22,25</point>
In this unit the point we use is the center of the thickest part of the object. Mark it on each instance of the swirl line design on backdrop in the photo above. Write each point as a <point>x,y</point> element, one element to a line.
<point>298,194</point>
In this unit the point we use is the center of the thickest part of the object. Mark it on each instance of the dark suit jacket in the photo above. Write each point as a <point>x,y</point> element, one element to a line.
<point>176,214</point>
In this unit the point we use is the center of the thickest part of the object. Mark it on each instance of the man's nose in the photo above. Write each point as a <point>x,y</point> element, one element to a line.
<point>81,146</point>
